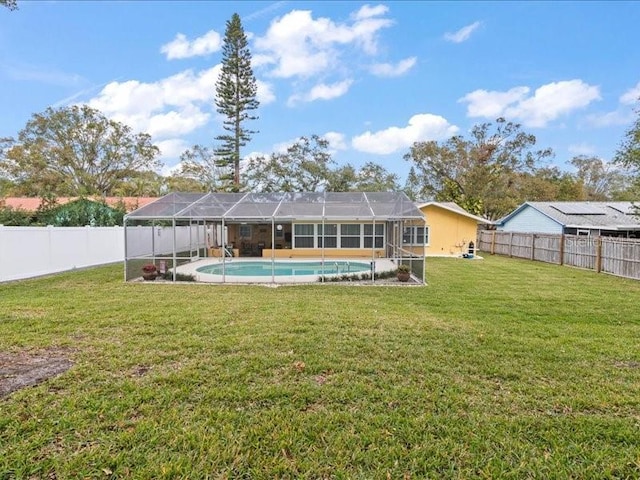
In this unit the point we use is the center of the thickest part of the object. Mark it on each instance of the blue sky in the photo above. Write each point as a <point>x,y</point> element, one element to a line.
<point>371,77</point>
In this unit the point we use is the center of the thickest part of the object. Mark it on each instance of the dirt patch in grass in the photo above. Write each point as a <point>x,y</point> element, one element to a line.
<point>24,369</point>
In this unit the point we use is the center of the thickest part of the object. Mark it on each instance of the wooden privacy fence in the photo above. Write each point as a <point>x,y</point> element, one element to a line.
<point>617,256</point>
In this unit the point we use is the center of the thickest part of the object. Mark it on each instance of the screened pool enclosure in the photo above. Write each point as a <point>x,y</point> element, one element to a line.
<point>209,236</point>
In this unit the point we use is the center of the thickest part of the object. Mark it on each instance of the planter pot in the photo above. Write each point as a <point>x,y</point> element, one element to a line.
<point>149,276</point>
<point>403,276</point>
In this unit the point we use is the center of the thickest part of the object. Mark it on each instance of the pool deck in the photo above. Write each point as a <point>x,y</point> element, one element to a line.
<point>382,264</point>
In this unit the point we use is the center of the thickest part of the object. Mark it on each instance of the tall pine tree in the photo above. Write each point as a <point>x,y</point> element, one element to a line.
<point>236,90</point>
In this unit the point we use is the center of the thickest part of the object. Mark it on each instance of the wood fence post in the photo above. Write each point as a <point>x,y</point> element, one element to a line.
<point>598,254</point>
<point>562,249</point>
<point>493,243</point>
<point>510,244</point>
<point>533,246</point>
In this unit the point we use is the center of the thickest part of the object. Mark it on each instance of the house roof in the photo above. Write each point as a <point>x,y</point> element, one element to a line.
<point>594,215</point>
<point>455,208</point>
<point>282,205</point>
<point>31,204</point>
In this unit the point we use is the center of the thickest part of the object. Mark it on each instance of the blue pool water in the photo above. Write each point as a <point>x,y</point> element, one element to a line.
<point>285,268</point>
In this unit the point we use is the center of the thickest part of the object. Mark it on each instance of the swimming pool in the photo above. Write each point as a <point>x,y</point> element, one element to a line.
<point>284,268</point>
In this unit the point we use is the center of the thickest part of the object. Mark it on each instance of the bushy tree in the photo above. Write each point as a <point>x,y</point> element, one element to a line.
<point>628,154</point>
<point>478,173</point>
<point>304,167</point>
<point>15,217</point>
<point>600,180</point>
<point>76,151</point>
<point>80,213</point>
<point>201,168</point>
<point>10,4</point>
<point>236,91</point>
<point>371,177</point>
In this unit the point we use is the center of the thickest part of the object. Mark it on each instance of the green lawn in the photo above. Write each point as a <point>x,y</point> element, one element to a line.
<point>498,369</point>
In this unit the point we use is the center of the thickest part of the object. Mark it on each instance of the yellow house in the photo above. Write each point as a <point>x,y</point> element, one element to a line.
<point>450,228</point>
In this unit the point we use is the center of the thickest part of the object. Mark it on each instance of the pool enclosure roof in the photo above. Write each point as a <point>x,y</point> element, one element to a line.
<point>285,206</point>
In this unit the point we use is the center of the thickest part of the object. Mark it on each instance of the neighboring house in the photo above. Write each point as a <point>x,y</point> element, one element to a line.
<point>31,204</point>
<point>450,229</point>
<point>611,219</point>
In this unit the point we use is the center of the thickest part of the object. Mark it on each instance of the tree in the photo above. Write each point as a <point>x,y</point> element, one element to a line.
<point>145,184</point>
<point>478,173</point>
<point>10,4</point>
<point>200,167</point>
<point>371,177</point>
<point>548,184</point>
<point>628,154</point>
<point>236,90</point>
<point>601,180</point>
<point>304,167</point>
<point>76,151</point>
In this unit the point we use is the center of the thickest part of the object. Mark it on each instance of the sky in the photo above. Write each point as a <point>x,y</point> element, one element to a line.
<point>371,78</point>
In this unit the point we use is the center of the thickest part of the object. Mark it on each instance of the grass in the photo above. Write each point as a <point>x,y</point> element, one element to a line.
<point>498,369</point>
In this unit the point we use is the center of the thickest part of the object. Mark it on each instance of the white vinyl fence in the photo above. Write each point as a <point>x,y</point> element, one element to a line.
<point>32,251</point>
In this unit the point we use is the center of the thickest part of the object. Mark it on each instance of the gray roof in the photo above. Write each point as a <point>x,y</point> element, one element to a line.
<point>597,215</point>
<point>281,205</point>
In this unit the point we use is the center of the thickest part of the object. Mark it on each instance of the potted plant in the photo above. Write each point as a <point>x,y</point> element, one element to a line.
<point>403,273</point>
<point>149,271</point>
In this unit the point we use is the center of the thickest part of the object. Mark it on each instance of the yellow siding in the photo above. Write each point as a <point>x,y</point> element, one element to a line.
<point>449,232</point>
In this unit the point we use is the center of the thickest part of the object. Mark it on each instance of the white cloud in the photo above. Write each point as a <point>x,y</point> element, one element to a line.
<point>483,103</point>
<point>171,148</point>
<point>547,103</point>
<point>264,92</point>
<point>300,46</point>
<point>181,47</point>
<point>327,92</point>
<point>174,122</point>
<point>336,140</point>
<point>582,149</point>
<point>421,127</point>
<point>367,11</point>
<point>617,117</point>
<point>631,96</point>
<point>133,98</point>
<point>167,109</point>
<point>322,91</point>
<point>391,70</point>
<point>463,34</point>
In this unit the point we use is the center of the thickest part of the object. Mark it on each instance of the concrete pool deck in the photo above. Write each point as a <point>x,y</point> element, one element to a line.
<point>381,265</point>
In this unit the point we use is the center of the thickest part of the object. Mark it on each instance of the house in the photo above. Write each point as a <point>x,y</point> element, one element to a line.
<point>32,204</point>
<point>286,224</point>
<point>285,236</point>
<point>612,219</point>
<point>450,229</point>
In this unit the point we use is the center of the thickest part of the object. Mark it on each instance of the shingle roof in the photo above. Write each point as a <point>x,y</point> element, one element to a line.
<point>454,207</point>
<point>600,215</point>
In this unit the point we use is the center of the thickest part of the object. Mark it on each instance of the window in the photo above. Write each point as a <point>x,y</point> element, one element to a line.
<point>350,235</point>
<point>303,235</point>
<point>414,235</point>
<point>373,238</point>
<point>245,231</point>
<point>330,237</point>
